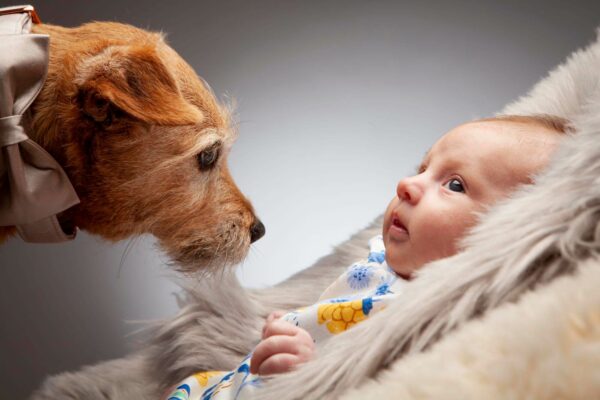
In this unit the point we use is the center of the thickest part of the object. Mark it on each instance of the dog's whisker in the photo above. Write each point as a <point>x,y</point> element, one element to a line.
<point>254,250</point>
<point>130,243</point>
<point>217,249</point>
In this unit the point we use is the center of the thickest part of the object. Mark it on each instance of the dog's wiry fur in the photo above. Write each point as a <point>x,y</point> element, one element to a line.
<point>545,231</point>
<point>126,117</point>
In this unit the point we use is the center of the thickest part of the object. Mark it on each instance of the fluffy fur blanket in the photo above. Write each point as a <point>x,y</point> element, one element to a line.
<point>517,315</point>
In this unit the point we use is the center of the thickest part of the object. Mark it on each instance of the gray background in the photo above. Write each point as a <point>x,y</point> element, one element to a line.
<point>337,100</point>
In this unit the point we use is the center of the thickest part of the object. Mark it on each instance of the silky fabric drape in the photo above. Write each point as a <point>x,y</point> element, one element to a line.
<point>33,186</point>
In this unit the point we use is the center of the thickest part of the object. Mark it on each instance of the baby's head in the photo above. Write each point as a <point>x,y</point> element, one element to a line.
<point>469,168</point>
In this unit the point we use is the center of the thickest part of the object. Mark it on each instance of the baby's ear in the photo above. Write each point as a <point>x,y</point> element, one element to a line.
<point>134,80</point>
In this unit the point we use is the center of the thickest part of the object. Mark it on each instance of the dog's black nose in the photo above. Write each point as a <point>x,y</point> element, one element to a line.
<point>257,230</point>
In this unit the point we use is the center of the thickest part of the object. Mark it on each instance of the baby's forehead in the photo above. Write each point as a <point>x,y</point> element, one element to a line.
<point>503,151</point>
<point>478,137</point>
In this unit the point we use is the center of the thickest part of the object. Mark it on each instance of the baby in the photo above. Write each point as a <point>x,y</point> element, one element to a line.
<point>468,169</point>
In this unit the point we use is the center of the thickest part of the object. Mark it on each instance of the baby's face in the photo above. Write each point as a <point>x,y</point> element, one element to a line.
<point>469,168</point>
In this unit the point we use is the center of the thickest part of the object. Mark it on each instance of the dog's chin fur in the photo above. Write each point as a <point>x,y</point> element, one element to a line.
<point>127,119</point>
<point>204,256</point>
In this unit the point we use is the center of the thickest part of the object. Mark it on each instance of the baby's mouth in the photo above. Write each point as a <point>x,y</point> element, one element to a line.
<point>398,226</point>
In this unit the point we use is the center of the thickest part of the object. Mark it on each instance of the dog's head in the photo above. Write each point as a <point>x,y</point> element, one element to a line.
<point>145,144</point>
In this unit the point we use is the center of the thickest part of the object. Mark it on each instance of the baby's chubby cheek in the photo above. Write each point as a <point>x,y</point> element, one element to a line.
<point>439,234</point>
<point>435,237</point>
<point>432,235</point>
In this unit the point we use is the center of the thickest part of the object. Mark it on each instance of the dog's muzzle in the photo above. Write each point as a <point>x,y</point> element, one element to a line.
<point>33,186</point>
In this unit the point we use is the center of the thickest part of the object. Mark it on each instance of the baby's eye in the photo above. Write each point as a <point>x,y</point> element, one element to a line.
<point>455,185</point>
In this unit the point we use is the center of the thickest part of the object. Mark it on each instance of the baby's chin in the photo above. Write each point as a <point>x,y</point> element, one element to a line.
<point>402,270</point>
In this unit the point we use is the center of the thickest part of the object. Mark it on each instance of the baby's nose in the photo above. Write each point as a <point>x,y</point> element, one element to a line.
<point>409,190</point>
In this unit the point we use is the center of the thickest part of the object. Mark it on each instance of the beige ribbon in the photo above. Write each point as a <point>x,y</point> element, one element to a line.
<point>33,186</point>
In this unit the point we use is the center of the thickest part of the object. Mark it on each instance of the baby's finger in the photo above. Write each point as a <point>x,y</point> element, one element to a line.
<point>279,327</point>
<point>275,315</point>
<point>269,347</point>
<point>278,363</point>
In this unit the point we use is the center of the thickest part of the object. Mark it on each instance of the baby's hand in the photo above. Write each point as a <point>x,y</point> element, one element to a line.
<point>283,346</point>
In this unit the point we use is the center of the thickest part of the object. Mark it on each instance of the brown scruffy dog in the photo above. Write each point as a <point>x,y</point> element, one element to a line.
<point>144,143</point>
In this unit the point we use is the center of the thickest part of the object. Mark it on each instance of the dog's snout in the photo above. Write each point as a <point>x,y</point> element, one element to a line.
<point>257,230</point>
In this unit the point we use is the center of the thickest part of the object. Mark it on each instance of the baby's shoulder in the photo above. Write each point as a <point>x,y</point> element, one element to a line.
<point>364,276</point>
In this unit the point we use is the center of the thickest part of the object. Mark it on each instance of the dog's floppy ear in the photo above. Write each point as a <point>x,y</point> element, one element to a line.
<point>132,79</point>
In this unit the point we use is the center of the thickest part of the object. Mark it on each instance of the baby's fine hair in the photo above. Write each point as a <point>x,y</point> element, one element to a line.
<point>548,121</point>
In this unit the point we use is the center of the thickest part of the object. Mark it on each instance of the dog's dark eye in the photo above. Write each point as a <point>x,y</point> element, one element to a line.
<point>209,156</point>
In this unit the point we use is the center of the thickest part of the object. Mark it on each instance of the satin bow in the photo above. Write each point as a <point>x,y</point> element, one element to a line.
<point>33,186</point>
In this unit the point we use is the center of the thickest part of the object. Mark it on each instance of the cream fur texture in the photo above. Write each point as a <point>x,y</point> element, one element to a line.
<point>545,347</point>
<point>544,240</point>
